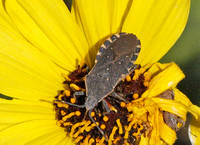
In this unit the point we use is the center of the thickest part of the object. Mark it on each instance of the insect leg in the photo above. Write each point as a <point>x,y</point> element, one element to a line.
<point>115,95</point>
<point>78,94</point>
<point>97,125</point>
<point>106,106</point>
<point>79,106</point>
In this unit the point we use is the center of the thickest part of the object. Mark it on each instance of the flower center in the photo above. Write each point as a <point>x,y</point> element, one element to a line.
<point>111,115</point>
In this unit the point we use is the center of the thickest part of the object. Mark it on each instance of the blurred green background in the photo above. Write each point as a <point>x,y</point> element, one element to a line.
<point>186,53</point>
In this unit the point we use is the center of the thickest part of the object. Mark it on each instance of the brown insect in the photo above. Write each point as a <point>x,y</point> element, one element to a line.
<point>114,61</point>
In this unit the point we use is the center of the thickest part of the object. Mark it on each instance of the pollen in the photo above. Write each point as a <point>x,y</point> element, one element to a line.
<point>60,97</point>
<point>111,137</point>
<point>74,86</point>
<point>120,126</point>
<point>91,127</point>
<point>78,113</point>
<point>66,77</point>
<point>67,124</point>
<point>146,84</point>
<point>116,140</point>
<point>128,129</point>
<point>122,104</point>
<point>105,118</point>
<point>92,114</point>
<point>68,116</point>
<point>73,100</point>
<point>118,121</point>
<point>136,75</point>
<point>147,76</point>
<point>135,96</point>
<point>86,140</point>
<point>91,141</point>
<point>59,123</point>
<point>128,78</point>
<point>103,126</point>
<point>78,139</point>
<point>101,141</point>
<point>63,113</point>
<point>67,93</point>
<point>65,105</point>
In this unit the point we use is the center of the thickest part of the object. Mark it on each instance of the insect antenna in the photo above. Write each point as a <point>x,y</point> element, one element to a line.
<point>79,106</point>
<point>90,111</point>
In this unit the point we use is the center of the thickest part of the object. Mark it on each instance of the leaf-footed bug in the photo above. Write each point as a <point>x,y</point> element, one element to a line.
<point>114,61</point>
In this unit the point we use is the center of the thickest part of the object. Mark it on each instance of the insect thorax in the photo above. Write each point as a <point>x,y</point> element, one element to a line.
<point>90,102</point>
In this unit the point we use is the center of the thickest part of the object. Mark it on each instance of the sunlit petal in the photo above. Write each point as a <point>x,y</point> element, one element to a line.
<point>99,19</point>
<point>26,132</point>
<point>16,111</point>
<point>25,71</point>
<point>166,133</point>
<point>167,78</point>
<point>194,131</point>
<point>50,27</point>
<point>171,106</point>
<point>158,24</point>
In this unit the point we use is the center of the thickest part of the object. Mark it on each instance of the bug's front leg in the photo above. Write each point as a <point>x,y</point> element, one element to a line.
<point>77,94</point>
<point>108,107</point>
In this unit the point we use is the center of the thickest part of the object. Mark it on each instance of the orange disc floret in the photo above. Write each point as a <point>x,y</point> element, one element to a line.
<point>78,113</point>
<point>135,96</point>
<point>73,100</point>
<point>105,118</point>
<point>122,104</point>
<point>103,126</point>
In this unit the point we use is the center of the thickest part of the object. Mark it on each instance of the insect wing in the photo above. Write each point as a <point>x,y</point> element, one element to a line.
<point>118,58</point>
<point>113,65</point>
<point>98,85</point>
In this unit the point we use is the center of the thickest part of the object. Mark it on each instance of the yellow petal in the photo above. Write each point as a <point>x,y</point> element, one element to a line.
<point>42,103</point>
<point>182,98</point>
<point>158,24</point>
<point>25,72</point>
<point>167,78</point>
<point>157,67</point>
<point>155,133</point>
<point>16,111</point>
<point>48,138</point>
<point>194,131</point>
<point>4,18</point>
<point>144,140</point>
<point>195,111</point>
<point>29,131</point>
<point>171,106</point>
<point>50,27</point>
<point>166,133</point>
<point>99,19</point>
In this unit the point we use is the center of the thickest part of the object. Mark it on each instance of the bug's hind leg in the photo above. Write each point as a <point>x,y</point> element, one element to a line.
<point>79,106</point>
<point>115,95</point>
<point>77,94</point>
<point>106,106</point>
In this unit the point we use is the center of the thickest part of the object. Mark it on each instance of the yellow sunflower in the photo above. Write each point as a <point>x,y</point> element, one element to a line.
<point>41,40</point>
